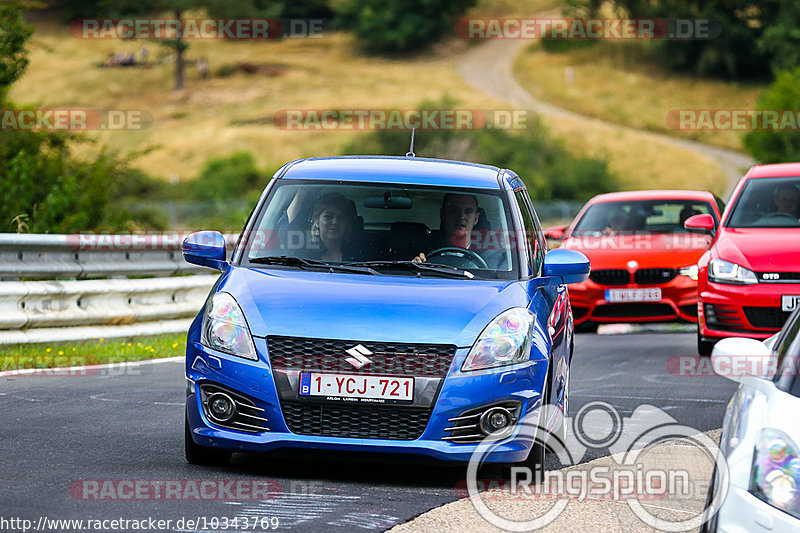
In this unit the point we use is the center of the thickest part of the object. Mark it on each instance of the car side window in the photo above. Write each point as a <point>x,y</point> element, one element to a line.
<point>534,248</point>
<point>787,351</point>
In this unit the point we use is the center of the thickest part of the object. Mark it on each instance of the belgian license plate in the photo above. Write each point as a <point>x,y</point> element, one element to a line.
<point>353,386</point>
<point>789,303</point>
<point>633,295</point>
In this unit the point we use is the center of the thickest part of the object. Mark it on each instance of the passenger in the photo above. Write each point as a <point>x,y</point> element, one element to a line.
<point>617,221</point>
<point>332,227</point>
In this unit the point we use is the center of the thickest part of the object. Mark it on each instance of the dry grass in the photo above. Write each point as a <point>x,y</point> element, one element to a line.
<point>615,82</point>
<point>205,119</point>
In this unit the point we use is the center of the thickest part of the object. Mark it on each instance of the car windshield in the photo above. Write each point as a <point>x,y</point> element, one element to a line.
<point>767,203</point>
<point>641,216</point>
<point>380,229</point>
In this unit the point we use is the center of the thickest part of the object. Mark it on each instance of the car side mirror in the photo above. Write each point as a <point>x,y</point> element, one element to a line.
<point>205,248</point>
<point>572,266</point>
<point>737,357</point>
<point>701,224</point>
<point>555,233</point>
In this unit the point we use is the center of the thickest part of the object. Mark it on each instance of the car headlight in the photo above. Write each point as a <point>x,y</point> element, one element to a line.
<point>505,341</point>
<point>721,271</point>
<point>689,271</point>
<point>225,329</point>
<point>775,476</point>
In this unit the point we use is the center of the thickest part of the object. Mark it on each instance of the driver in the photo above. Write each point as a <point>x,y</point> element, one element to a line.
<point>787,199</point>
<point>458,216</point>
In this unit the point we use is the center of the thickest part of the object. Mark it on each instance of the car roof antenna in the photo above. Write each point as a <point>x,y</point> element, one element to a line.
<point>410,152</point>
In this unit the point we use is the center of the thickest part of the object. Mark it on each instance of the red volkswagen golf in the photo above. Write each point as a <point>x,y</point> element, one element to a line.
<point>749,279</point>
<point>644,262</point>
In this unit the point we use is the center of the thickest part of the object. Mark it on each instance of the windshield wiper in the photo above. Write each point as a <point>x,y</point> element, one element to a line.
<point>431,268</point>
<point>287,260</point>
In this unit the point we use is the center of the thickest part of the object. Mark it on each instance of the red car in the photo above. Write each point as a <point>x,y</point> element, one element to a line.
<point>644,262</point>
<point>749,280</point>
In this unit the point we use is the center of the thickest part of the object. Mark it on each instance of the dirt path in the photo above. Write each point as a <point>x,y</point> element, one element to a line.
<point>489,68</point>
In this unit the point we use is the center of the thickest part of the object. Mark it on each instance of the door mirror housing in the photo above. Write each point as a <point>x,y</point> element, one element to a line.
<point>701,224</point>
<point>572,266</point>
<point>205,248</point>
<point>738,357</point>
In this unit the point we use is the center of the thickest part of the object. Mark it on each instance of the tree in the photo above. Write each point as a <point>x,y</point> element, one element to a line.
<point>14,34</point>
<point>777,146</point>
<point>400,25</point>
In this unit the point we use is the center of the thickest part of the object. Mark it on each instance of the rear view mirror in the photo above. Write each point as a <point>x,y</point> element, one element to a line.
<point>572,266</point>
<point>700,224</point>
<point>205,248</point>
<point>387,201</point>
<point>555,233</point>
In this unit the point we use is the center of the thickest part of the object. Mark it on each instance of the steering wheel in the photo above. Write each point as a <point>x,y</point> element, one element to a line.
<point>779,214</point>
<point>453,252</point>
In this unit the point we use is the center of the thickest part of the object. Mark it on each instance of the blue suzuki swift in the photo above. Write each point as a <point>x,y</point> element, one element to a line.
<point>382,304</point>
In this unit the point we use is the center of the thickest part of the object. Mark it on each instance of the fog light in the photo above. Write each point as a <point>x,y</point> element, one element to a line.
<point>221,407</point>
<point>495,420</point>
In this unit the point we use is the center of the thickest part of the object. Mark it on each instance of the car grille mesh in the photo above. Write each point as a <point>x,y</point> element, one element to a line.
<point>654,276</point>
<point>372,422</point>
<point>611,276</point>
<point>766,317</point>
<point>326,355</point>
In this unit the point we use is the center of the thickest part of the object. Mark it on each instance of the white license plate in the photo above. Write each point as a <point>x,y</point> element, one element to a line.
<point>789,303</point>
<point>353,386</point>
<point>633,295</point>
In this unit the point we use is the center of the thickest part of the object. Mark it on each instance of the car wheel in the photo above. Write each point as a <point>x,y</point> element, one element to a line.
<point>202,455</point>
<point>586,327</point>
<point>704,347</point>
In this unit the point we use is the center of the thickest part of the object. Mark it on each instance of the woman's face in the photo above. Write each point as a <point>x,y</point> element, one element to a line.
<point>333,224</point>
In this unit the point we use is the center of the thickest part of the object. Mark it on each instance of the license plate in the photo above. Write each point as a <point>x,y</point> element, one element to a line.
<point>352,386</point>
<point>633,295</point>
<point>789,303</point>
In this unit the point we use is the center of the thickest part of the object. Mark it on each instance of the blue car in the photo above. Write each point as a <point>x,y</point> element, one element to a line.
<point>382,304</point>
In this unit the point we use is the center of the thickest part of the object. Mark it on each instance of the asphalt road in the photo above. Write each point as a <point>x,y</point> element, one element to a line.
<point>56,431</point>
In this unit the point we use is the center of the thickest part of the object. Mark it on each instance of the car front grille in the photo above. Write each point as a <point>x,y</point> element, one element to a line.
<point>634,310</point>
<point>654,276</point>
<point>373,422</point>
<point>328,355</point>
<point>610,276</point>
<point>766,317</point>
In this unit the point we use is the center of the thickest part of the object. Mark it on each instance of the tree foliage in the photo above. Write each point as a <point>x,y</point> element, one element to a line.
<point>14,33</point>
<point>778,146</point>
<point>399,25</point>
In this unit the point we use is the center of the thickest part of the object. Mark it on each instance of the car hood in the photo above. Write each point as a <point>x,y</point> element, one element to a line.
<point>760,249</point>
<point>368,307</point>
<point>655,250</point>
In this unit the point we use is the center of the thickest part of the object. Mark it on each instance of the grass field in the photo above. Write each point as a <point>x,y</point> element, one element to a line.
<point>216,117</point>
<point>617,82</point>
<point>94,352</point>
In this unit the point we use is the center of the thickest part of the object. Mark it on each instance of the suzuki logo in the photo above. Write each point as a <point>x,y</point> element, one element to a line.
<point>359,356</point>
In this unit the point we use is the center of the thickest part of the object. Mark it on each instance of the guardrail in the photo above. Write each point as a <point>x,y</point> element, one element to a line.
<point>80,256</point>
<point>79,308</point>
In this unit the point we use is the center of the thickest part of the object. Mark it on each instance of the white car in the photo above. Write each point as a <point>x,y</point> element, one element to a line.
<point>760,435</point>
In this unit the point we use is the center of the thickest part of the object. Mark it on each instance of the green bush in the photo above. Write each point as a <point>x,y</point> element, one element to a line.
<point>46,190</point>
<point>777,146</point>
<point>393,26</point>
<point>549,171</point>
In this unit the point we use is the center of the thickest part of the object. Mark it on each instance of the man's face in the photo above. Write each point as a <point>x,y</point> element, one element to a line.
<point>459,215</point>
<point>787,199</point>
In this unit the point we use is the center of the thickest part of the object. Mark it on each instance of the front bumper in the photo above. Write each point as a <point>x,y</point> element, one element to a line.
<point>741,512</point>
<point>752,311</point>
<point>678,302</point>
<point>459,392</point>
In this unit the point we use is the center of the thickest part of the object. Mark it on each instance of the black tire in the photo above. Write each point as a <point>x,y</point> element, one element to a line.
<point>586,327</point>
<point>704,347</point>
<point>202,455</point>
